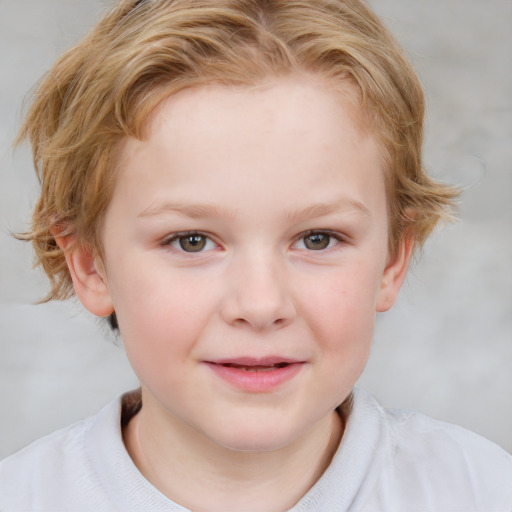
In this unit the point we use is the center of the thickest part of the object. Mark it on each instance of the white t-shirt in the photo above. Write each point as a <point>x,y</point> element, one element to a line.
<point>392,461</point>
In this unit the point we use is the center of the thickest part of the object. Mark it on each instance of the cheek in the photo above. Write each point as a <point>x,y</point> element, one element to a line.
<point>155,298</point>
<point>341,309</point>
<point>161,317</point>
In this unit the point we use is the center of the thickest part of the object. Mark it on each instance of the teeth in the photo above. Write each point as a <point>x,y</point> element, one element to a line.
<point>256,368</point>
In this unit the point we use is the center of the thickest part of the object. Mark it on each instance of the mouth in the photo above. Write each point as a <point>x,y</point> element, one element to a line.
<point>256,367</point>
<point>256,375</point>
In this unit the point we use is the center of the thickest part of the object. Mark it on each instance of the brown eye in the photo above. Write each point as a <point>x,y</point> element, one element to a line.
<point>192,243</point>
<point>317,241</point>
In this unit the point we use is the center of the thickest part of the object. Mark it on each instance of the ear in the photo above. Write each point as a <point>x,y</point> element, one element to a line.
<point>394,275</point>
<point>88,275</point>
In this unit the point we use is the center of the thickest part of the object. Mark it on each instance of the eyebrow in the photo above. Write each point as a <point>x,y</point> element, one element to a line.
<point>193,211</point>
<point>202,210</point>
<point>322,209</point>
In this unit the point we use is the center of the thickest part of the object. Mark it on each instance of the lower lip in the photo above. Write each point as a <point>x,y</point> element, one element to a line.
<point>256,381</point>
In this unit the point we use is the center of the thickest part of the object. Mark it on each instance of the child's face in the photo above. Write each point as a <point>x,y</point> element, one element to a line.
<point>246,257</point>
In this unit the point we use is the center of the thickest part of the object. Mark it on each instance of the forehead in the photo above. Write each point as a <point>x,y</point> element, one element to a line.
<point>284,133</point>
<point>307,92</point>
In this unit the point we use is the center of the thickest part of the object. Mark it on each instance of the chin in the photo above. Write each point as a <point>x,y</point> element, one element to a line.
<point>254,438</point>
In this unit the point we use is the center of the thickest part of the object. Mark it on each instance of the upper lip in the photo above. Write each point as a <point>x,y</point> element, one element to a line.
<point>255,361</point>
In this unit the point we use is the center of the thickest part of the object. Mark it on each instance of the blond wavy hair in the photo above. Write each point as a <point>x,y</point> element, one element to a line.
<point>141,52</point>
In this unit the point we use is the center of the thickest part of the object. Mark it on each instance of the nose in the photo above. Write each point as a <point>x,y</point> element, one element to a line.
<point>257,294</point>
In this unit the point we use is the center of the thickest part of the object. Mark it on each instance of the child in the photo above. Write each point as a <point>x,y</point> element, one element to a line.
<point>237,186</point>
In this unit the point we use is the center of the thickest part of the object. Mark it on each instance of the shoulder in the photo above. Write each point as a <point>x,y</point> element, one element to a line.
<point>63,441</point>
<point>424,460</point>
<point>449,462</point>
<point>412,433</point>
<point>56,466</point>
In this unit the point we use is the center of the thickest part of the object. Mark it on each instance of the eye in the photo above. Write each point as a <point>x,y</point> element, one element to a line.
<point>317,241</point>
<point>191,242</point>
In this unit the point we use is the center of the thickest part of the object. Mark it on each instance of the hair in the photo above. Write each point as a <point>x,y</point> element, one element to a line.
<point>141,52</point>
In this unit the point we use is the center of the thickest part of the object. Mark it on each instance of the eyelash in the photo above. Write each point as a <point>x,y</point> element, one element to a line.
<point>179,237</point>
<point>331,236</point>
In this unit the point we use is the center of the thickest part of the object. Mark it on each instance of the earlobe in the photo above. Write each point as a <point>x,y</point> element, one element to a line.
<point>88,275</point>
<point>394,275</point>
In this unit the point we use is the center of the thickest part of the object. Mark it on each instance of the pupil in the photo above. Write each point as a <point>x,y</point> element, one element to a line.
<point>193,243</point>
<point>316,241</point>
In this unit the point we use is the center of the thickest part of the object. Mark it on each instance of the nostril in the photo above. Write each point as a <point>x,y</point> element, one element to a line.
<point>257,307</point>
<point>260,324</point>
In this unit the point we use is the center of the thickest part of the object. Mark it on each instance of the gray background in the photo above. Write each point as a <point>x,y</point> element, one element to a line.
<point>446,347</point>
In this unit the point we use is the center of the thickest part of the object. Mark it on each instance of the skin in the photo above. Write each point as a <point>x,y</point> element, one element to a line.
<point>251,171</point>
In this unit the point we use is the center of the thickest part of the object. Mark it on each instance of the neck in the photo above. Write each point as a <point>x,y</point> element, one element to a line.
<point>167,453</point>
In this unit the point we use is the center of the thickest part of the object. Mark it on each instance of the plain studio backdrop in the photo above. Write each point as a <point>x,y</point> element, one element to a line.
<point>446,347</point>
